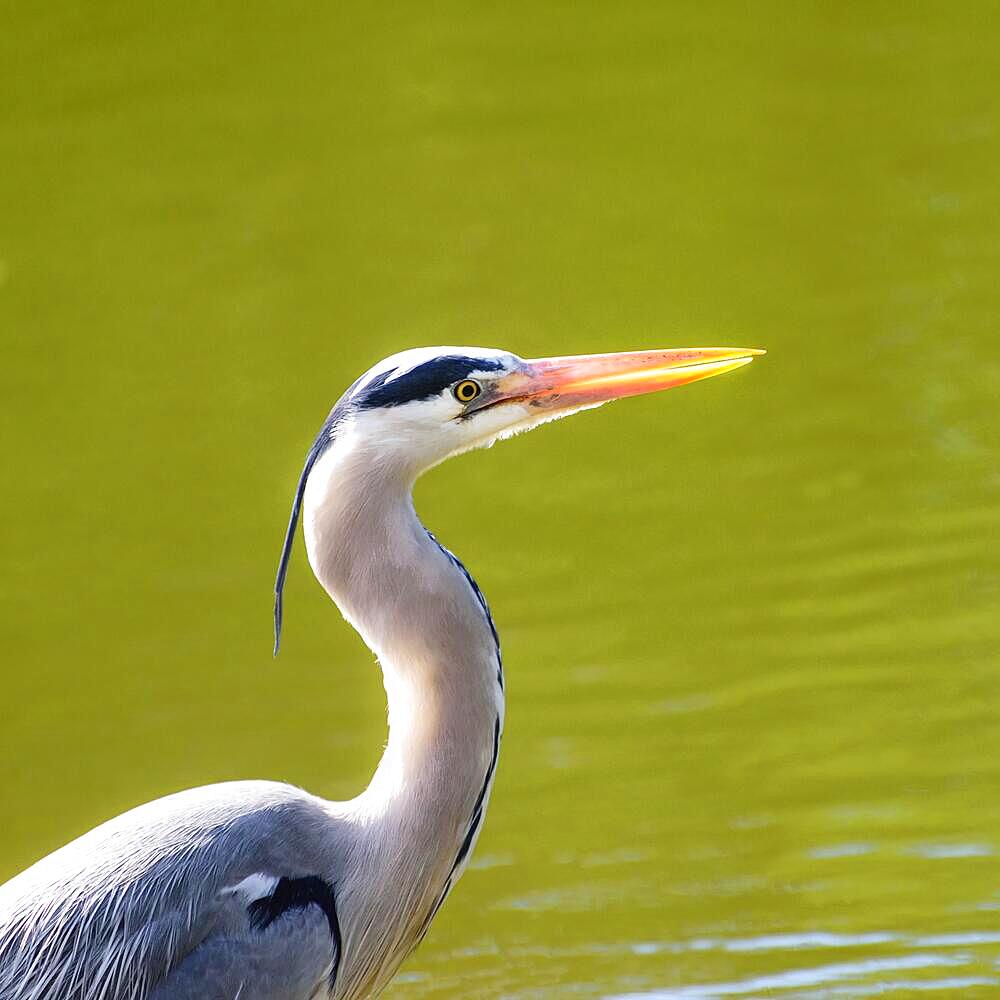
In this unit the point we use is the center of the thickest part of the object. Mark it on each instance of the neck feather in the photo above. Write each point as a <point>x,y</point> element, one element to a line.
<point>424,617</point>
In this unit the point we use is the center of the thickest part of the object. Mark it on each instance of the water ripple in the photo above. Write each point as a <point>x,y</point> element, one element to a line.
<point>793,978</point>
<point>793,941</point>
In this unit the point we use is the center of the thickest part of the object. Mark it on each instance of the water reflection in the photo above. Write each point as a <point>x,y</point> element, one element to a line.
<point>867,976</point>
<point>880,970</point>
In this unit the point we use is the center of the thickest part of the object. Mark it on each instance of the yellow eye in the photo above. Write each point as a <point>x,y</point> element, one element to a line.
<point>466,390</point>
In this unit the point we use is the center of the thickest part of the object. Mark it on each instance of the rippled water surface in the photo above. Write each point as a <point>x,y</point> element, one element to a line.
<point>750,627</point>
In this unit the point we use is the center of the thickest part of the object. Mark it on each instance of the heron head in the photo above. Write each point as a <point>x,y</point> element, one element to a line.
<point>415,409</point>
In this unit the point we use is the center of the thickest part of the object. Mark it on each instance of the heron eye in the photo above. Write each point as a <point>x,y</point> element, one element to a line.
<point>466,390</point>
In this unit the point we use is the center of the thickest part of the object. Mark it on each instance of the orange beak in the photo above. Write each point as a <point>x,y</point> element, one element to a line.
<point>590,379</point>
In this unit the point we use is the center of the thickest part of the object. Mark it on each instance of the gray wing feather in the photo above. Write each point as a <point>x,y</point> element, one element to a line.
<point>118,913</point>
<point>290,960</point>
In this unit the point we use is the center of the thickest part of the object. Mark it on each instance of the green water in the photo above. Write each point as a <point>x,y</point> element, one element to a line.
<point>750,627</point>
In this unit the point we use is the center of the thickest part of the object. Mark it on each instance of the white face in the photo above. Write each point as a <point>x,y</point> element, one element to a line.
<point>417,408</point>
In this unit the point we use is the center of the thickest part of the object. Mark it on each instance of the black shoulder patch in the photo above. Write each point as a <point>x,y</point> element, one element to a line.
<point>295,894</point>
<point>424,381</point>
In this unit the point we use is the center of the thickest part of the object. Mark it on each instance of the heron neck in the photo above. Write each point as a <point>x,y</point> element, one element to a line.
<point>419,611</point>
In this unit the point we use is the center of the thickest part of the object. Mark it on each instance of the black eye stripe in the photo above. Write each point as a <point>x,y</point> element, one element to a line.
<point>429,379</point>
<point>378,381</point>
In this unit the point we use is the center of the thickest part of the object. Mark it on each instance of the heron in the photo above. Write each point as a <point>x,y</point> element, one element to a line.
<point>257,890</point>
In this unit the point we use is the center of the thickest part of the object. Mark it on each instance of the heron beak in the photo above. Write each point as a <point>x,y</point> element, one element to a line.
<point>591,379</point>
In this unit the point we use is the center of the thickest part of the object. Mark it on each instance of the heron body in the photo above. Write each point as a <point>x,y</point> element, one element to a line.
<point>259,890</point>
